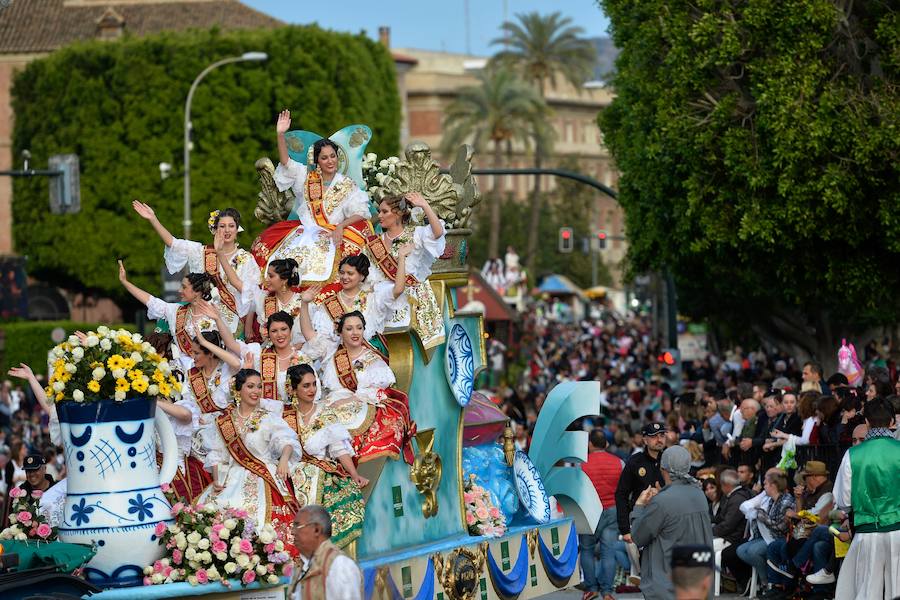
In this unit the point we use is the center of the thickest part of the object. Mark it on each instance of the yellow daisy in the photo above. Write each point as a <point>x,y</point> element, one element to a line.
<point>94,386</point>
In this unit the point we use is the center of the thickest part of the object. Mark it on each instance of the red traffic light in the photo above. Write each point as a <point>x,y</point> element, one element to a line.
<point>601,235</point>
<point>666,358</point>
<point>565,233</point>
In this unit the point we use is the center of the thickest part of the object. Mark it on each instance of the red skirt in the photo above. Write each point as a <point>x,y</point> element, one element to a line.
<point>391,431</point>
<point>270,239</point>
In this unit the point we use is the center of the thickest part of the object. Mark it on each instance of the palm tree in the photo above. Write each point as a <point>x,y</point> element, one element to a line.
<point>502,109</point>
<point>542,48</point>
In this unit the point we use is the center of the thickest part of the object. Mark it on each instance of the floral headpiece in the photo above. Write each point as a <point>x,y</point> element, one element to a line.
<point>211,222</point>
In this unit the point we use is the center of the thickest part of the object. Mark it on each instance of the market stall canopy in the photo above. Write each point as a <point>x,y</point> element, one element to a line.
<point>560,285</point>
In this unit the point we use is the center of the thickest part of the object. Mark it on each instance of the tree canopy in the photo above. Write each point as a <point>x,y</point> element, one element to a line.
<point>120,107</point>
<point>760,151</point>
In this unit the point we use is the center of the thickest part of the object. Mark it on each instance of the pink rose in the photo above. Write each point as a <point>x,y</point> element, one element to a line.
<point>470,518</point>
<point>24,517</point>
<point>495,512</point>
<point>269,548</point>
<point>469,497</point>
<point>177,508</point>
<point>482,513</point>
<point>147,581</point>
<point>219,546</point>
<point>246,547</point>
<point>160,529</point>
<point>167,571</point>
<point>287,569</point>
<point>16,492</point>
<point>240,513</point>
<point>249,576</point>
<point>44,530</point>
<point>157,567</point>
<point>177,556</point>
<point>37,494</point>
<point>202,577</point>
<point>217,528</point>
<point>165,487</point>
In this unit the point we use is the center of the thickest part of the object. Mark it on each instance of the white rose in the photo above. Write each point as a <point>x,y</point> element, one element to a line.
<point>266,537</point>
<point>230,567</point>
<point>78,353</point>
<point>190,553</point>
<point>78,396</point>
<point>380,177</point>
<point>98,373</point>
<point>203,544</point>
<point>229,524</point>
<point>393,160</point>
<point>103,330</point>
<point>224,534</point>
<point>71,368</point>
<point>13,518</point>
<point>119,373</point>
<point>59,386</point>
<point>91,341</point>
<point>371,156</point>
<point>383,163</point>
<point>58,352</point>
<point>260,569</point>
<point>272,579</point>
<point>146,347</point>
<point>204,556</point>
<point>181,539</point>
<point>164,562</point>
<point>21,536</point>
<point>192,579</point>
<point>243,560</point>
<point>194,537</point>
<point>279,546</point>
<point>106,344</point>
<point>119,396</point>
<point>136,338</point>
<point>73,339</point>
<point>222,555</point>
<point>152,389</point>
<point>165,367</point>
<point>136,357</point>
<point>213,573</point>
<point>148,570</point>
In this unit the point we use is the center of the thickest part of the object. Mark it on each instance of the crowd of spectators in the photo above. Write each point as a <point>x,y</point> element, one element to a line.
<point>766,434</point>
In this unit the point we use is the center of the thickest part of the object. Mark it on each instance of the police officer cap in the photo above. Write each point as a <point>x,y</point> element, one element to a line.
<point>694,555</point>
<point>653,429</point>
<point>34,462</point>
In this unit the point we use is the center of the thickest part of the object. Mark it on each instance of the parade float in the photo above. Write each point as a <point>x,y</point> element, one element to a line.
<point>466,516</point>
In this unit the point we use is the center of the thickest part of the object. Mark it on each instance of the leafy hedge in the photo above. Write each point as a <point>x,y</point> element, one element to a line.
<point>120,107</point>
<point>29,341</point>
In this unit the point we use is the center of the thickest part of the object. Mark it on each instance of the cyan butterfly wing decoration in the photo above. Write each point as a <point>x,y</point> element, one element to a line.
<point>352,141</point>
<point>551,443</point>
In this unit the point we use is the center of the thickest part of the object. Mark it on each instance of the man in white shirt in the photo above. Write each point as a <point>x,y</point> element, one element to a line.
<point>329,574</point>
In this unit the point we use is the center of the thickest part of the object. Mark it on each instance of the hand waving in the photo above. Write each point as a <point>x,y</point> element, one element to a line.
<point>123,275</point>
<point>23,371</point>
<point>310,293</point>
<point>283,123</point>
<point>416,199</point>
<point>143,210</point>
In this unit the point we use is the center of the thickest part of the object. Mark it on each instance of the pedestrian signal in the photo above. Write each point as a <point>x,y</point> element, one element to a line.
<point>566,239</point>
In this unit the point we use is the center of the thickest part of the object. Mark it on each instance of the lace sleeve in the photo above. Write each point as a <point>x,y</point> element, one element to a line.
<point>157,309</point>
<point>322,321</point>
<point>217,453</point>
<point>320,347</point>
<point>292,176</point>
<point>248,272</point>
<point>184,252</point>
<point>331,441</point>
<point>380,307</point>
<point>356,204</point>
<point>281,435</point>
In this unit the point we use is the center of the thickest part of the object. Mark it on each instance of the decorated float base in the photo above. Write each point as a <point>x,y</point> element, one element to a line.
<point>527,562</point>
<point>208,591</point>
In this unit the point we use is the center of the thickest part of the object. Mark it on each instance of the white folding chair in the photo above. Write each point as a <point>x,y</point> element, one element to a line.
<point>719,544</point>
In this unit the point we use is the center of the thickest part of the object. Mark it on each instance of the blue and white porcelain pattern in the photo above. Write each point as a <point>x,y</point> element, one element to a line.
<point>531,488</point>
<point>460,364</point>
<point>114,498</point>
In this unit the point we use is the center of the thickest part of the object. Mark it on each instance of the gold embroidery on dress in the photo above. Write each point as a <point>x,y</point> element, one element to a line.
<point>336,194</point>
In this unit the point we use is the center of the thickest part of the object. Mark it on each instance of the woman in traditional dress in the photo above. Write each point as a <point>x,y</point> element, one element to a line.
<point>428,242</point>
<point>251,454</point>
<point>274,358</point>
<point>235,272</point>
<point>357,383</point>
<point>195,289</point>
<point>329,206</point>
<point>282,276</point>
<point>326,475</point>
<point>376,303</point>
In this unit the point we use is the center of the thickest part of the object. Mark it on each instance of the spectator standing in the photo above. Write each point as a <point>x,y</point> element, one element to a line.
<point>329,574</point>
<point>604,470</point>
<point>661,519</point>
<point>867,484</point>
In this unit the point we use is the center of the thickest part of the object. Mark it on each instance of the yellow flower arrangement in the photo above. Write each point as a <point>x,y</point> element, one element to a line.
<point>108,364</point>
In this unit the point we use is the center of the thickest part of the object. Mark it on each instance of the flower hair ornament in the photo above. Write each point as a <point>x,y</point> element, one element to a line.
<point>211,222</point>
<point>235,395</point>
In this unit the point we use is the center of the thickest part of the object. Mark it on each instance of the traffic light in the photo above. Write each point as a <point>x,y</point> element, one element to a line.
<point>669,361</point>
<point>566,239</point>
<point>601,240</point>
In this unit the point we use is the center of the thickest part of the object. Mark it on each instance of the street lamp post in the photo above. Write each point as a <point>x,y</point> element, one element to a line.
<point>247,56</point>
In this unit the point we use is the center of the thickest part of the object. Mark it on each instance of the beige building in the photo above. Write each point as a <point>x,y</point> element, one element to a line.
<point>430,84</point>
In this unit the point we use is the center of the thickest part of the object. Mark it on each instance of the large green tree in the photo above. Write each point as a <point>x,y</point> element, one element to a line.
<point>543,49</point>
<point>760,151</point>
<point>120,107</point>
<point>503,110</point>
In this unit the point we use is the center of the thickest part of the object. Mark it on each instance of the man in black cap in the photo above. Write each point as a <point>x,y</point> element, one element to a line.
<point>36,478</point>
<point>641,471</point>
<point>693,567</point>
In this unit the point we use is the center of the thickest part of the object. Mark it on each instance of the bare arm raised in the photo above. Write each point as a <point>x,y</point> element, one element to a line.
<point>149,214</point>
<point>281,127</point>
<point>142,296</point>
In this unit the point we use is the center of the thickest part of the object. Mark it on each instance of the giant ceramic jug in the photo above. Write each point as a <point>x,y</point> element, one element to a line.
<point>114,498</point>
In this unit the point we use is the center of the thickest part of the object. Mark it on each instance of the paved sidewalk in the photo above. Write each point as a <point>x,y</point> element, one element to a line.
<point>573,594</point>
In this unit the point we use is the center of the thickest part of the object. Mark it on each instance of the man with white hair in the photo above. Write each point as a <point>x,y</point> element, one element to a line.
<point>329,574</point>
<point>677,514</point>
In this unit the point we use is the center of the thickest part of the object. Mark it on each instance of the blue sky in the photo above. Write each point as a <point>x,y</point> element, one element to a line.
<point>430,24</point>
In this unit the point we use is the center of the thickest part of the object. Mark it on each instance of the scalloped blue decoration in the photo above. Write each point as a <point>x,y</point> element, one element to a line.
<point>530,487</point>
<point>460,364</point>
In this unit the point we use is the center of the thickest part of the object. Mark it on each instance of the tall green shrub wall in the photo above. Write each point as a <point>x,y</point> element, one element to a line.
<point>120,107</point>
